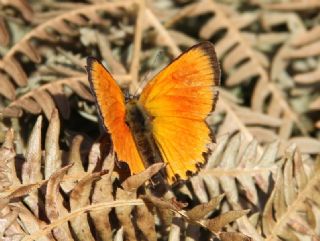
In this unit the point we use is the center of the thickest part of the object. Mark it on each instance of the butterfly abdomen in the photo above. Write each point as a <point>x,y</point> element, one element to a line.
<point>139,123</point>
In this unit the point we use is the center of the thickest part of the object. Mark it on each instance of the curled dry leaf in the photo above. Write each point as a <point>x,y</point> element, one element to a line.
<point>202,210</point>
<point>217,223</point>
<point>34,224</point>
<point>52,149</point>
<point>79,198</point>
<point>124,214</point>
<point>31,172</point>
<point>75,159</point>
<point>132,183</point>
<point>54,206</point>
<point>7,154</point>
<point>103,193</point>
<point>162,203</point>
<point>22,191</point>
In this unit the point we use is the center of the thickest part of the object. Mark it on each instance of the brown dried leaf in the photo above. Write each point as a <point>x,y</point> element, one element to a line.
<point>146,223</point>
<point>46,102</point>
<point>34,224</point>
<point>311,77</point>
<point>115,66</point>
<point>103,193</point>
<point>228,236</point>
<point>299,171</point>
<point>182,39</point>
<point>4,35</point>
<point>75,159</point>
<point>82,91</point>
<point>60,99</point>
<point>30,51</point>
<point>31,172</point>
<point>202,210</point>
<point>27,104</point>
<point>133,182</point>
<point>7,88</point>
<point>23,6</point>
<point>199,188</point>
<point>305,51</point>
<point>293,6</point>
<point>217,223</point>
<point>162,203</point>
<point>306,37</point>
<point>52,160</point>
<point>79,198</point>
<point>53,204</point>
<point>23,190</point>
<point>15,70</point>
<point>124,214</point>
<point>228,183</point>
<point>7,154</point>
<point>7,161</point>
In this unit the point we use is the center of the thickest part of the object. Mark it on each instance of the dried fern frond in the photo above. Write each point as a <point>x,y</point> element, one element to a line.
<point>25,11</point>
<point>265,93</point>
<point>243,174</point>
<point>293,205</point>
<point>49,96</point>
<point>49,31</point>
<point>65,185</point>
<point>88,191</point>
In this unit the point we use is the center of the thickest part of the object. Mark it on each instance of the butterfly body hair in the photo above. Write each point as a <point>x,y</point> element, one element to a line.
<point>139,122</point>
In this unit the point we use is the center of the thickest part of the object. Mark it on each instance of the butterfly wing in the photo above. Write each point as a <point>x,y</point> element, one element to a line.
<point>112,110</point>
<point>179,99</point>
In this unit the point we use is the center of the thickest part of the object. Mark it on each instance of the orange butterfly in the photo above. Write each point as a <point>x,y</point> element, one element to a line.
<point>167,122</point>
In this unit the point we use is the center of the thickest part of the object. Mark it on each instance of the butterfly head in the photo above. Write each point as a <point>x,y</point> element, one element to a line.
<point>128,96</point>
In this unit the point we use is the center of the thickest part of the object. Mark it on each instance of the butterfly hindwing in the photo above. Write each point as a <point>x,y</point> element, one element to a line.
<point>111,105</point>
<point>179,99</point>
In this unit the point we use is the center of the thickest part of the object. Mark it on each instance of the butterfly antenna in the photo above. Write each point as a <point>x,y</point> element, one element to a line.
<point>148,73</point>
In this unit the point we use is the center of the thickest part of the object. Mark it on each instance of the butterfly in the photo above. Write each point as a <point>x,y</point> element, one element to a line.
<point>167,122</point>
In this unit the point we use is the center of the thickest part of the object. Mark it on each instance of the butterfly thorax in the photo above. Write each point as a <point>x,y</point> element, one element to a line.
<point>139,122</point>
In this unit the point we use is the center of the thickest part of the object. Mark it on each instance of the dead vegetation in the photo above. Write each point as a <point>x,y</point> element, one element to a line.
<point>58,178</point>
